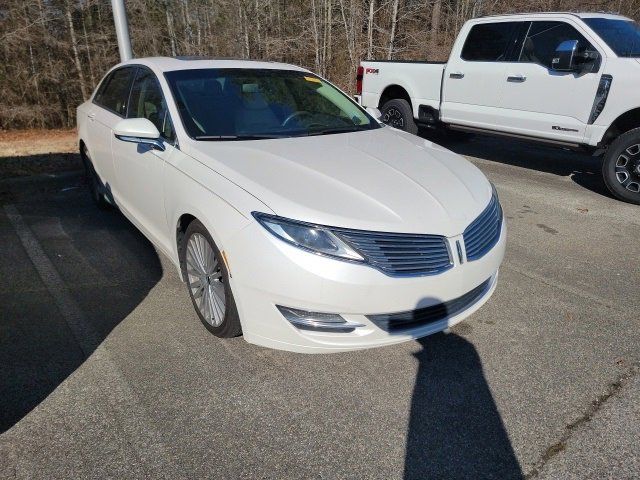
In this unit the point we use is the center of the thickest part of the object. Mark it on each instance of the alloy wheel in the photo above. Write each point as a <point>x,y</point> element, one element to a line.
<point>628,168</point>
<point>205,279</point>
<point>393,117</point>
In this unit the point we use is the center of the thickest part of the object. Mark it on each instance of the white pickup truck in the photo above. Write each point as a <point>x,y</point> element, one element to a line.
<point>568,79</point>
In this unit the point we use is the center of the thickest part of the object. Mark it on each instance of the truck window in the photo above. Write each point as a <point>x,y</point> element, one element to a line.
<point>623,36</point>
<point>544,37</point>
<point>489,42</point>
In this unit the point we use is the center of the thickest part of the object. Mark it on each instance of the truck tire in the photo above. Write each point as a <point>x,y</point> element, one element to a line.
<point>397,113</point>
<point>621,167</point>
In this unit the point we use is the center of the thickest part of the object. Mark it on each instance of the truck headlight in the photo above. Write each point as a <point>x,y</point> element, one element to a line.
<point>308,237</point>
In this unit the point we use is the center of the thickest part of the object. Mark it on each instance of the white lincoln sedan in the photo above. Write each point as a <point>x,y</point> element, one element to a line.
<point>294,217</point>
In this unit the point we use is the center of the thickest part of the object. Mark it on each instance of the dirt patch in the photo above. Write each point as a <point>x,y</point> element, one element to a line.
<point>32,142</point>
<point>33,152</point>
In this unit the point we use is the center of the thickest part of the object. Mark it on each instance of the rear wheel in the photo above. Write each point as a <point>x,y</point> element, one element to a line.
<point>621,167</point>
<point>96,187</point>
<point>397,113</point>
<point>207,280</point>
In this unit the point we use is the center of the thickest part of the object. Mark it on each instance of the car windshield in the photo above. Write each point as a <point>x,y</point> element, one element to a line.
<point>250,104</point>
<point>623,36</point>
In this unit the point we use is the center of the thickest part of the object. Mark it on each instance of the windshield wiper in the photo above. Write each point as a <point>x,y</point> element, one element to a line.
<point>329,131</point>
<point>235,137</point>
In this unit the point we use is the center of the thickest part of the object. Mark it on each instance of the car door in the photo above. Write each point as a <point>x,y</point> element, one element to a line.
<point>140,168</point>
<point>538,101</point>
<point>109,106</point>
<point>472,83</point>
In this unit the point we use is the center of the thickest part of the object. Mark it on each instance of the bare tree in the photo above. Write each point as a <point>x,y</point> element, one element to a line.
<point>53,52</point>
<point>74,47</point>
<point>392,34</point>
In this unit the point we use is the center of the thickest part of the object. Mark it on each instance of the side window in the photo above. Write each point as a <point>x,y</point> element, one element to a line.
<point>115,92</point>
<point>489,42</point>
<point>544,37</point>
<point>147,101</point>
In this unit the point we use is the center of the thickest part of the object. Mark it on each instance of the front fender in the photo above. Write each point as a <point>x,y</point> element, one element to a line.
<point>221,206</point>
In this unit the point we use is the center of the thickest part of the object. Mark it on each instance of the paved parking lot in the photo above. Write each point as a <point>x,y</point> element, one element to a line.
<point>105,370</point>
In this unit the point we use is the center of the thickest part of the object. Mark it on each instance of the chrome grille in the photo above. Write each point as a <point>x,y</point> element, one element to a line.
<point>400,254</point>
<point>425,316</point>
<point>484,232</point>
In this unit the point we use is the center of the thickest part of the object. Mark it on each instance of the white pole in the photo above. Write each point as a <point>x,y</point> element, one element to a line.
<point>122,29</point>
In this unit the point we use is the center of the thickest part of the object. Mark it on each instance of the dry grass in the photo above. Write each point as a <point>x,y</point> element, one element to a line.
<point>17,143</point>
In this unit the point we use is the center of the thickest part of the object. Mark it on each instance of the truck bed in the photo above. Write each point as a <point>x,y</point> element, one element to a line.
<point>421,80</point>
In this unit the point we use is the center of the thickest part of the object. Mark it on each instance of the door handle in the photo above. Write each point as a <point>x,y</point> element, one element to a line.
<point>91,116</point>
<point>456,75</point>
<point>516,78</point>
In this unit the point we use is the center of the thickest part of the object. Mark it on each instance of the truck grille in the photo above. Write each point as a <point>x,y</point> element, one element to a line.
<point>399,254</point>
<point>483,233</point>
<point>424,316</point>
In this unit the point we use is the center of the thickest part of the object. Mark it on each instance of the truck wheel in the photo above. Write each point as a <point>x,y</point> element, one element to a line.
<point>621,167</point>
<point>398,114</point>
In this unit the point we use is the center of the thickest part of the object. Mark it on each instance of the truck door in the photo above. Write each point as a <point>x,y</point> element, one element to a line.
<point>538,101</point>
<point>474,75</point>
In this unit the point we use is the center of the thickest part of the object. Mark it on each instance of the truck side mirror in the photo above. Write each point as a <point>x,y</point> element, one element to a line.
<point>565,59</point>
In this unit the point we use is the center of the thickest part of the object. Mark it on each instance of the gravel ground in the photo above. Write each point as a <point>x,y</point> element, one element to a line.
<point>105,371</point>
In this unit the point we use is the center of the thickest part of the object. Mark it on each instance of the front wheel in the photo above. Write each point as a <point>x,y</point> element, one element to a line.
<point>207,278</point>
<point>397,113</point>
<point>621,167</point>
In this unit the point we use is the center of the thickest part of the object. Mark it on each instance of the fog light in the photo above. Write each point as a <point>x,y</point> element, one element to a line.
<point>316,321</point>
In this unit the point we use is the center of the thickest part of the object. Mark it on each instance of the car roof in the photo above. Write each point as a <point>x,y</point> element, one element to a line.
<point>168,64</point>
<point>612,16</point>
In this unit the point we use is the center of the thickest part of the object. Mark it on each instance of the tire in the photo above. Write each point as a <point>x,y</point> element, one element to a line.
<point>398,114</point>
<point>207,279</point>
<point>621,167</point>
<point>96,187</point>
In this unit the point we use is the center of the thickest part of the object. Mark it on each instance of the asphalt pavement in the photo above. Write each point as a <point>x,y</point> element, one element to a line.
<point>106,372</point>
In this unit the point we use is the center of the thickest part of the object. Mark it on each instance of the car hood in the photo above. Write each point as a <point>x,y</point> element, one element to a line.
<point>379,180</point>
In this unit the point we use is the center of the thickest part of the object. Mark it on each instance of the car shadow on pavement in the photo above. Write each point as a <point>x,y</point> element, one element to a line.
<point>455,429</point>
<point>583,168</point>
<point>101,262</point>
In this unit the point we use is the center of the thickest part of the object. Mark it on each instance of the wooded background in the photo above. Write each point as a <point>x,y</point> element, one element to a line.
<point>54,52</point>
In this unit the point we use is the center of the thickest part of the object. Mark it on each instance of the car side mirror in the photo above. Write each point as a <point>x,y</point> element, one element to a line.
<point>138,130</point>
<point>565,58</point>
<point>375,113</point>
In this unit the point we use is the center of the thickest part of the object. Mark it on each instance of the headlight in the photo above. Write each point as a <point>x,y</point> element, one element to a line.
<point>308,237</point>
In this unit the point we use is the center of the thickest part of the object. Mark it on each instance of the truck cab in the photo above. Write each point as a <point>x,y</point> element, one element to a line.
<point>567,79</point>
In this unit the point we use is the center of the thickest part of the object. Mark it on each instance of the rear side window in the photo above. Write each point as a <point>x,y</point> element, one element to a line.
<point>544,37</point>
<point>489,42</point>
<point>114,95</point>
<point>146,101</point>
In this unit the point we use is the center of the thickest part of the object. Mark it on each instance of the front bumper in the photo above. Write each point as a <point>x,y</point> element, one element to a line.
<point>266,272</point>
